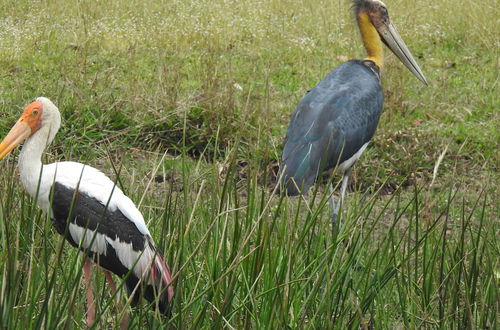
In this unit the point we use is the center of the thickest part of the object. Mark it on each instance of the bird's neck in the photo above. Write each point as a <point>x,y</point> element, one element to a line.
<point>30,160</point>
<point>371,40</point>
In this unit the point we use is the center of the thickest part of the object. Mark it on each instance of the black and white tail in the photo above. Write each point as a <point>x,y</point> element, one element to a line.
<point>158,288</point>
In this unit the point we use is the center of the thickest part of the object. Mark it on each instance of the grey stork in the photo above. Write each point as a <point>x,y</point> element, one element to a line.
<point>90,211</point>
<point>335,121</point>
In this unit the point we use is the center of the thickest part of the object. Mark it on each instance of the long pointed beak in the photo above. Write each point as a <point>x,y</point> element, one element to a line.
<point>20,132</point>
<point>392,39</point>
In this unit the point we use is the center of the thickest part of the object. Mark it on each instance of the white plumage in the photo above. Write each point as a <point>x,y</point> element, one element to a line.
<point>88,208</point>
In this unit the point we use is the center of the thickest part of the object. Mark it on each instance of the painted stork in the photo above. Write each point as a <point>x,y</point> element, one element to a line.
<point>90,211</point>
<point>335,121</point>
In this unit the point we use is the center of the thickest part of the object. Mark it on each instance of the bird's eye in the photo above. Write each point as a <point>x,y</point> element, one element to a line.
<point>35,112</point>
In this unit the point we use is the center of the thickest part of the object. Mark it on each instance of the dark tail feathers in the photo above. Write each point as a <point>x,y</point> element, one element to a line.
<point>161,293</point>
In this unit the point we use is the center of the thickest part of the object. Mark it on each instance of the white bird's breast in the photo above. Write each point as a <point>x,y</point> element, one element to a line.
<point>347,164</point>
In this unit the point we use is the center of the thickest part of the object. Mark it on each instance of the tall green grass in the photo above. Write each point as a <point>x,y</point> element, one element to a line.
<point>244,257</point>
<point>192,99</point>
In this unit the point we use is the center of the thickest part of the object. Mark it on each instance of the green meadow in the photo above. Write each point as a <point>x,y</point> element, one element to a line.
<point>186,104</point>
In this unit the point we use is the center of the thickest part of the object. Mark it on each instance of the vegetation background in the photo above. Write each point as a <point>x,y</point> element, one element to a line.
<point>189,101</point>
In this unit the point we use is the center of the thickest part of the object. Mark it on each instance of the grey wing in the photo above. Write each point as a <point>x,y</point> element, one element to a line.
<point>330,125</point>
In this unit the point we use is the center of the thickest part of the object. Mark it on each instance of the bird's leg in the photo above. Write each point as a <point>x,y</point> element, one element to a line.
<point>87,269</point>
<point>125,320</point>
<point>110,281</point>
<point>336,202</point>
<point>345,181</point>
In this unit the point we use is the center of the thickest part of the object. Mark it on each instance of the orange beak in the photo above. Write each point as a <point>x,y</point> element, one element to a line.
<point>20,132</point>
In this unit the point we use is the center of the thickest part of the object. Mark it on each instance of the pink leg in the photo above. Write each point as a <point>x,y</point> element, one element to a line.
<point>124,322</point>
<point>112,285</point>
<point>110,281</point>
<point>87,268</point>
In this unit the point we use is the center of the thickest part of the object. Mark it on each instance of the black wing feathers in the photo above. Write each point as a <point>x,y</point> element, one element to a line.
<point>88,212</point>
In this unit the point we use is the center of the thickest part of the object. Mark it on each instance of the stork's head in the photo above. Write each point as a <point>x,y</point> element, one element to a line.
<point>40,118</point>
<point>376,13</point>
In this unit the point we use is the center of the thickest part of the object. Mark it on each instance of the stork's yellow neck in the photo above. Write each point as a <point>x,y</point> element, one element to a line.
<point>371,40</point>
